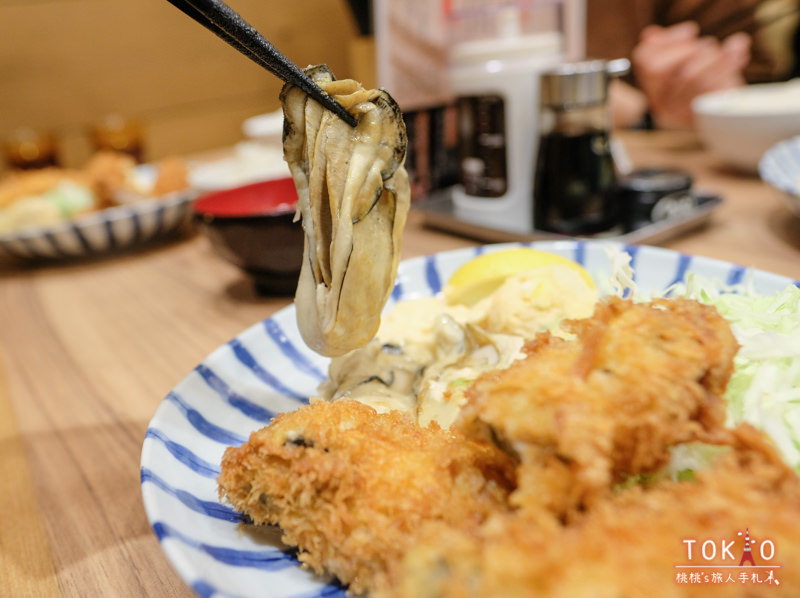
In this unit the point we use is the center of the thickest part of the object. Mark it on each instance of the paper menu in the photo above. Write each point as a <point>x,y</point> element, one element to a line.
<point>413,38</point>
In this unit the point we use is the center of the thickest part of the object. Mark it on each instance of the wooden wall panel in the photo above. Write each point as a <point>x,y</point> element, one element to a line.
<point>66,63</point>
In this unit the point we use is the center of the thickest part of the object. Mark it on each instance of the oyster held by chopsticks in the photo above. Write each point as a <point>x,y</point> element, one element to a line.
<point>353,198</point>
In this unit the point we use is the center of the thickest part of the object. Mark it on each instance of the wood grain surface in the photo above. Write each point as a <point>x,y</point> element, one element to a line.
<point>89,349</point>
<point>67,63</point>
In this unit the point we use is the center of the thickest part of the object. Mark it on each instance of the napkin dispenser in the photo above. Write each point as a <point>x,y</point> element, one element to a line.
<point>496,85</point>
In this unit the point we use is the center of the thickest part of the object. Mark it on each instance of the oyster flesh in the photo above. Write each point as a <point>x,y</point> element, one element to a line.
<point>353,199</point>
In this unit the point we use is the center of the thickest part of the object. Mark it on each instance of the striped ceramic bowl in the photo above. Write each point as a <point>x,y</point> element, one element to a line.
<point>780,167</point>
<point>103,231</point>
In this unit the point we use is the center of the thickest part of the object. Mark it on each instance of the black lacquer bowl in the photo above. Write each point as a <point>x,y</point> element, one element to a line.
<point>252,227</point>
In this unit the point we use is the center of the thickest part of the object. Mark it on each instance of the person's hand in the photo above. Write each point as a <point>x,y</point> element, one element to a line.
<point>673,65</point>
<point>628,104</point>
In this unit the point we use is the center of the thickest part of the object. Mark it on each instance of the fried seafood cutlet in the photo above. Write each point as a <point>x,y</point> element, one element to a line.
<point>584,414</point>
<point>173,175</point>
<point>634,543</point>
<point>27,183</point>
<point>350,486</point>
<point>107,172</point>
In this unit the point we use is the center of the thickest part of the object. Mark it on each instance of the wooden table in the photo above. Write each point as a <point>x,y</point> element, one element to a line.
<point>88,350</point>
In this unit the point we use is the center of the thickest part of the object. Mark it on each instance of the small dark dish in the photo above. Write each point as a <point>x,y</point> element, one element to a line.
<point>252,227</point>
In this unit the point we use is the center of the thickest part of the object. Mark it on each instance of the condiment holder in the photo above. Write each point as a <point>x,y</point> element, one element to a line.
<point>574,189</point>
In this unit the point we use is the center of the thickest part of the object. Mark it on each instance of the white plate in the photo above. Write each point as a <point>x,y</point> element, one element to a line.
<point>780,167</point>
<point>267,127</point>
<point>250,162</point>
<point>268,369</point>
<point>105,230</point>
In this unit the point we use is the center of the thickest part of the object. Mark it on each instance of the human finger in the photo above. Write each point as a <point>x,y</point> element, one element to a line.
<point>660,58</point>
<point>737,49</point>
<point>709,71</point>
<point>655,71</point>
<point>708,52</point>
<point>670,99</point>
<point>679,31</point>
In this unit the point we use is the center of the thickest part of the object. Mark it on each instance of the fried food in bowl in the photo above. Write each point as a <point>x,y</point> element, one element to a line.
<point>51,196</point>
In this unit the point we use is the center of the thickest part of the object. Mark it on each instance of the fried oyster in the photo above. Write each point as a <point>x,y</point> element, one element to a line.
<point>350,486</point>
<point>353,197</point>
<point>634,543</point>
<point>585,414</point>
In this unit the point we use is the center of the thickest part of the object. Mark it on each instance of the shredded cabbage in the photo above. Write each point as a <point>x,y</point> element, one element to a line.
<point>765,387</point>
<point>764,390</point>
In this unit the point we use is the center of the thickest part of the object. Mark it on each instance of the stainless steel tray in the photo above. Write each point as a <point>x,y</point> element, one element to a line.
<point>438,214</point>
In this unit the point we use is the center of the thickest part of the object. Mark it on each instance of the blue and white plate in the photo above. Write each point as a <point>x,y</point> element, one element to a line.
<point>138,220</point>
<point>103,231</point>
<point>268,369</point>
<point>780,167</point>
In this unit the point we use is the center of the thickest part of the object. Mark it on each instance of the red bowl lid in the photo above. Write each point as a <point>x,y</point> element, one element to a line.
<point>277,196</point>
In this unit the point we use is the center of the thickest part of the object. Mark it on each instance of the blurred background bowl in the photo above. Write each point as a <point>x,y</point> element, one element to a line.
<point>266,128</point>
<point>739,125</point>
<point>252,227</point>
<point>780,167</point>
<point>250,162</point>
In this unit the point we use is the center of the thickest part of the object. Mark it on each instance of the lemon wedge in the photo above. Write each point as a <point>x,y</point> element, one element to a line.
<point>481,276</point>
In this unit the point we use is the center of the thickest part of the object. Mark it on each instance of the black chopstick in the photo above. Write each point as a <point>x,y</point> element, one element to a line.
<point>227,24</point>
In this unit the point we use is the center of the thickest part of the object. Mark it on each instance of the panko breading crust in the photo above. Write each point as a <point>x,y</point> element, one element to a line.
<point>350,486</point>
<point>634,544</point>
<point>584,414</point>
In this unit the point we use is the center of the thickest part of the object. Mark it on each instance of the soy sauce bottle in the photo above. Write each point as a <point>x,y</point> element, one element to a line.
<point>574,191</point>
